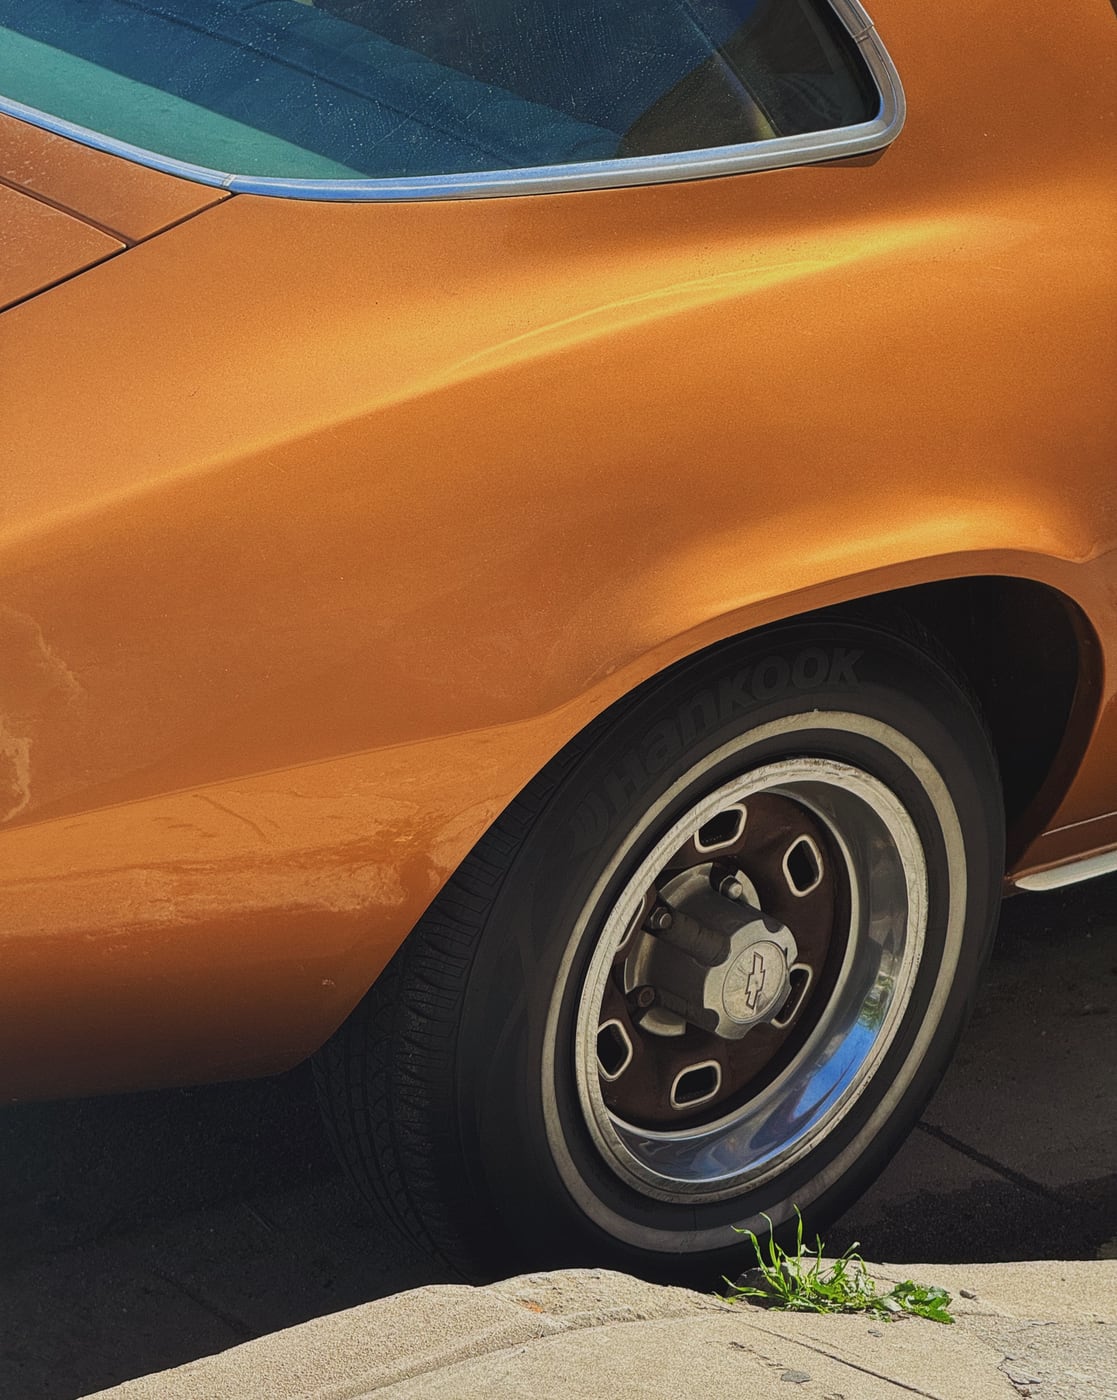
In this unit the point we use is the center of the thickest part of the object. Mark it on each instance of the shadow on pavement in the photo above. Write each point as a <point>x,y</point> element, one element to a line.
<point>139,1232</point>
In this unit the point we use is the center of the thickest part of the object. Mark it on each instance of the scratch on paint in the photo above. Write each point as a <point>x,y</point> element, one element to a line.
<point>33,680</point>
<point>15,773</point>
<point>201,796</point>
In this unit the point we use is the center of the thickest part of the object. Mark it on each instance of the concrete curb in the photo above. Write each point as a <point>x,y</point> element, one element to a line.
<point>1044,1329</point>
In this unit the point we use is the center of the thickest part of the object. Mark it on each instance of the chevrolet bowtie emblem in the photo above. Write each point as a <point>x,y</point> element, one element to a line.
<point>755,985</point>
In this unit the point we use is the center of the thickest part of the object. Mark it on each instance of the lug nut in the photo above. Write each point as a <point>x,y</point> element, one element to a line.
<point>731,888</point>
<point>641,997</point>
<point>660,919</point>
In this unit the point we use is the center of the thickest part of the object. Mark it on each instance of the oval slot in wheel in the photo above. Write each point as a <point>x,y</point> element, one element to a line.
<point>724,829</point>
<point>802,866</point>
<point>614,1050</point>
<point>696,1085</point>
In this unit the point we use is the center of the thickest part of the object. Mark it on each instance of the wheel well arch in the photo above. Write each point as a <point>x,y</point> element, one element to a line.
<point>1026,651</point>
<point>1033,662</point>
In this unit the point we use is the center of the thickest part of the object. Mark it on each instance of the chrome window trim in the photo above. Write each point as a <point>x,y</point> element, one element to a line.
<point>778,153</point>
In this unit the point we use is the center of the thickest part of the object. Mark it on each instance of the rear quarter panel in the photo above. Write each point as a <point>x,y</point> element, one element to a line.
<point>326,525</point>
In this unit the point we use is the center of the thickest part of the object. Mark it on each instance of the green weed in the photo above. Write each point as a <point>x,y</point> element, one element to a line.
<point>805,1282</point>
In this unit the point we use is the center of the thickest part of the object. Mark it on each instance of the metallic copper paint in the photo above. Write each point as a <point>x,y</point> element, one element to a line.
<point>325,526</point>
<point>115,195</point>
<point>40,245</point>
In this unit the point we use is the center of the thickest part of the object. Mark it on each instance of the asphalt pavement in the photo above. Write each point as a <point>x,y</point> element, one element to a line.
<point>142,1231</point>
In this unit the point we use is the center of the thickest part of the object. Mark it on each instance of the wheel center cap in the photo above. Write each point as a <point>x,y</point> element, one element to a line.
<point>720,964</point>
<point>756,982</point>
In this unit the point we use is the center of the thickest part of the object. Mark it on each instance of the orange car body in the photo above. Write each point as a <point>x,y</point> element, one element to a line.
<point>325,525</point>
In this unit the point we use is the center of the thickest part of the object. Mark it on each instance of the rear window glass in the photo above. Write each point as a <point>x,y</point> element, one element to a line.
<point>403,88</point>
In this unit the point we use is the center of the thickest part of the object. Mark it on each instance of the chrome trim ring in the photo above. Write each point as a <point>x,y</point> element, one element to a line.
<point>775,154</point>
<point>697,1174</point>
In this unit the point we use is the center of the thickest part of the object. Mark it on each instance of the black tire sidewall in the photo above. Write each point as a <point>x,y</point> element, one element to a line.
<point>637,757</point>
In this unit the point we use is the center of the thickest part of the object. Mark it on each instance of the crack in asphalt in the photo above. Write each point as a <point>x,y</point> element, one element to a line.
<point>853,1365</point>
<point>983,1159</point>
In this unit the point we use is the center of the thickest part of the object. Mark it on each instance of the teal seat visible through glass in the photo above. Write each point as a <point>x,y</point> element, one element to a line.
<point>277,89</point>
<point>352,89</point>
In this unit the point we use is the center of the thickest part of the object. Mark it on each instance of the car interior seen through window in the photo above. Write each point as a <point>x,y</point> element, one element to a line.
<point>339,89</point>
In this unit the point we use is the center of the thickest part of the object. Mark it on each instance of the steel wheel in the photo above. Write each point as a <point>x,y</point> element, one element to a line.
<point>749,978</point>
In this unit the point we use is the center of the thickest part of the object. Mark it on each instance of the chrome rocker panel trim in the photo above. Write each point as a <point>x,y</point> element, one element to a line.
<point>1071,872</point>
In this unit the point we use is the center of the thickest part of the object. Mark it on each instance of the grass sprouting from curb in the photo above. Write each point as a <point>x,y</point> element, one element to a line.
<point>805,1282</point>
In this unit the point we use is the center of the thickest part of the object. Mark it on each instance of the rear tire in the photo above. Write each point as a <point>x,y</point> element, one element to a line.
<point>505,1093</point>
